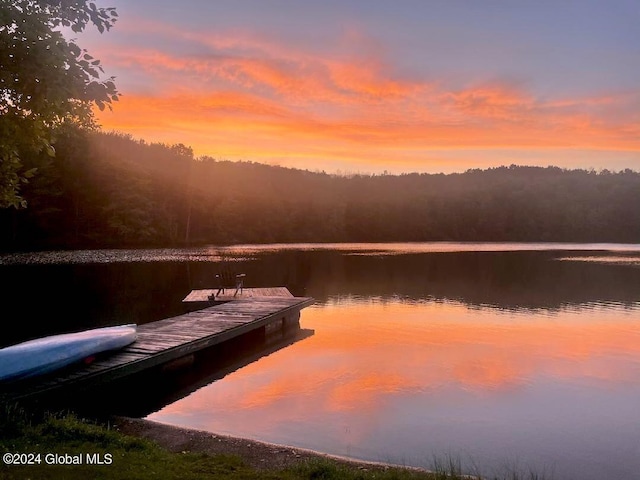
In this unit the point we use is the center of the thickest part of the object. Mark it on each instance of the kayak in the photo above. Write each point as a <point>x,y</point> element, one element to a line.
<point>48,354</point>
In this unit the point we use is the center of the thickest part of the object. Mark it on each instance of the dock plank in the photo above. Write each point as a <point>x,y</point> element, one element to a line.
<point>204,295</point>
<point>172,338</point>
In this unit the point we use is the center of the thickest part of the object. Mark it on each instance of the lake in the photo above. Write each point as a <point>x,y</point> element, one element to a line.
<point>502,356</point>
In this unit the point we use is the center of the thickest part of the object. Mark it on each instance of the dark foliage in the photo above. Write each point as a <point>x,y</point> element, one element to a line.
<point>109,190</point>
<point>46,81</point>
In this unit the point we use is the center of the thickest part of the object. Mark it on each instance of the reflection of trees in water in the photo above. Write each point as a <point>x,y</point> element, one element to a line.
<point>509,280</point>
<point>46,299</point>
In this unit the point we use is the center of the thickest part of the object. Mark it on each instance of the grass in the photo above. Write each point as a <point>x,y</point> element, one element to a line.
<point>134,458</point>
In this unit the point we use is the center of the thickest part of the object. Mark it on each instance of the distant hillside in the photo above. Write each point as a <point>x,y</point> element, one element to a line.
<point>109,190</point>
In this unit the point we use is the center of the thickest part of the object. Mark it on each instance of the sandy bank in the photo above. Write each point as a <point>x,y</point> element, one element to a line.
<point>259,455</point>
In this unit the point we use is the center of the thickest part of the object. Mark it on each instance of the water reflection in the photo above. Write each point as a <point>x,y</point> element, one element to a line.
<point>632,260</point>
<point>492,351</point>
<point>151,390</point>
<point>247,252</point>
<point>51,292</point>
<point>504,280</point>
<point>385,249</point>
<point>402,381</point>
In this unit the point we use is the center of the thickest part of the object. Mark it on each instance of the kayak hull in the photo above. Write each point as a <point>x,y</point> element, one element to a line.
<point>48,354</point>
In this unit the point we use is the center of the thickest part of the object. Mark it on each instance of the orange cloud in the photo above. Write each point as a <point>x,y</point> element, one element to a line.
<point>254,99</point>
<point>267,128</point>
<point>492,101</point>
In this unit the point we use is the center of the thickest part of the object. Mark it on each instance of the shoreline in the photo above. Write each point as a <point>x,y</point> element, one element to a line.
<point>257,454</point>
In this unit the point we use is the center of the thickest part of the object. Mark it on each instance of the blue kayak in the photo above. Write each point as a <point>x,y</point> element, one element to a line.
<point>45,355</point>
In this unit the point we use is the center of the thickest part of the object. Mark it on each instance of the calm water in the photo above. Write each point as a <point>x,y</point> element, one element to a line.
<point>505,356</point>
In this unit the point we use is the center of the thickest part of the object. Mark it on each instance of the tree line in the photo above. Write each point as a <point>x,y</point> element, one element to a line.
<point>111,190</point>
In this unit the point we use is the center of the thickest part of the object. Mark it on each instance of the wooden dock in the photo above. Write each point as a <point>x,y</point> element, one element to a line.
<point>169,340</point>
<point>229,294</point>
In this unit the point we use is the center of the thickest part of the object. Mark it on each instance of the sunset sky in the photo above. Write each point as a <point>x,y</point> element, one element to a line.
<point>367,86</point>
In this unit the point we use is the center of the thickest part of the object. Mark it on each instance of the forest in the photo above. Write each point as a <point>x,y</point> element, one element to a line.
<point>109,190</point>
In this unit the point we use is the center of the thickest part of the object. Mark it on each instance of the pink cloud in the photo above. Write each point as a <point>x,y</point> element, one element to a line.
<point>267,99</point>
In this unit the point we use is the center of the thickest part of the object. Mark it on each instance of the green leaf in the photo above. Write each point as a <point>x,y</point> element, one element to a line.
<point>31,172</point>
<point>45,80</point>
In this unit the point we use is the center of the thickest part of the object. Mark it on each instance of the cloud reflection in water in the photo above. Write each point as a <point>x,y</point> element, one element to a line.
<point>379,378</point>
